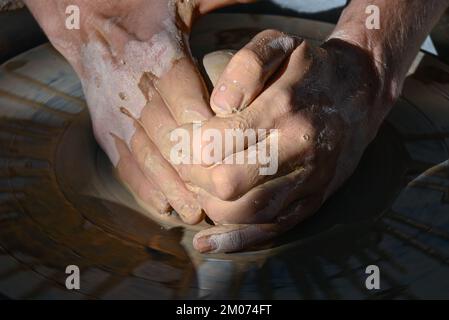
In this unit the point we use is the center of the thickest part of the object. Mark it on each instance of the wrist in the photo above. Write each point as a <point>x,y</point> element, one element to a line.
<point>373,61</point>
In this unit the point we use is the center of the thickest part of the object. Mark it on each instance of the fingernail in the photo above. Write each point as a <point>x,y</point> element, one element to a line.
<point>205,245</point>
<point>228,98</point>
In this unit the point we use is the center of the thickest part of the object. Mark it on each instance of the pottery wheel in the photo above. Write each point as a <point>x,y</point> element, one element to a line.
<point>61,205</point>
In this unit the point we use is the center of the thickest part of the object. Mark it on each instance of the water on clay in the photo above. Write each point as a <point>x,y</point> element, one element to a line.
<point>61,205</point>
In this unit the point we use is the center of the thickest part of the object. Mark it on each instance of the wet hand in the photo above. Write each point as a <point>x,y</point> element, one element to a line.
<point>320,105</point>
<point>140,82</point>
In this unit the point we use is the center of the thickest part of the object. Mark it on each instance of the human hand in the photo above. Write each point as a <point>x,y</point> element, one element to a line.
<point>325,103</point>
<point>140,82</point>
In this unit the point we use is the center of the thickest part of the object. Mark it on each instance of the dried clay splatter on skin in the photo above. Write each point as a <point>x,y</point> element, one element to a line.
<point>231,239</point>
<point>285,43</point>
<point>111,85</point>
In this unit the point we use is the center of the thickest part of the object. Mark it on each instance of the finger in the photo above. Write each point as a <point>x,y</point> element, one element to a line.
<point>249,69</point>
<point>295,144</point>
<point>184,92</point>
<point>158,123</point>
<point>156,168</point>
<point>239,172</point>
<point>231,238</point>
<point>141,187</point>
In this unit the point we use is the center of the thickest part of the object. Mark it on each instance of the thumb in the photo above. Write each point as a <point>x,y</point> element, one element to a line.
<point>237,237</point>
<point>184,92</point>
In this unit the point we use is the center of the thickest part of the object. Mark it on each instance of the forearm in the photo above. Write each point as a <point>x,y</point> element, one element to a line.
<point>404,25</point>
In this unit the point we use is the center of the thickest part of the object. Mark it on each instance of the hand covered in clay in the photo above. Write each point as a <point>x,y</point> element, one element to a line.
<point>140,82</point>
<point>321,106</point>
